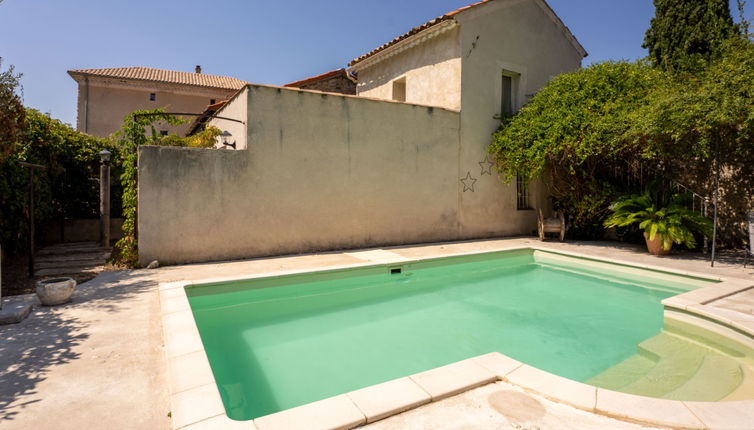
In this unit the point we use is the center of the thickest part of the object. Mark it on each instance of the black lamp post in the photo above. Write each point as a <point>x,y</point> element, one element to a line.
<point>104,198</point>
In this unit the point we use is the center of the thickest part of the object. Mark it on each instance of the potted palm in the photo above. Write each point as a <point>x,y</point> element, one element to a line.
<point>664,218</point>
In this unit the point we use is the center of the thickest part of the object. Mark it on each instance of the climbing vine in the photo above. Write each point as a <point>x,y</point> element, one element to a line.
<point>139,129</point>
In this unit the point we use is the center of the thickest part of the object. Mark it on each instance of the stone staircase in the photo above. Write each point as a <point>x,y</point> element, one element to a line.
<point>81,260</point>
<point>673,366</point>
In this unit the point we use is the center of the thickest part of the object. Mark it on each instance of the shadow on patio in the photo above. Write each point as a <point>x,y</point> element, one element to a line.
<point>51,336</point>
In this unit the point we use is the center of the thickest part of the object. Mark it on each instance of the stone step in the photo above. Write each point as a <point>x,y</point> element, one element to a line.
<point>624,373</point>
<point>69,262</point>
<point>47,251</point>
<point>745,390</point>
<point>678,363</point>
<point>63,256</point>
<point>69,271</point>
<point>716,378</point>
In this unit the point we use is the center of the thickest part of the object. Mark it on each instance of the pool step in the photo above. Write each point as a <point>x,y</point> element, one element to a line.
<point>671,366</point>
<point>678,362</point>
<point>745,390</point>
<point>717,378</point>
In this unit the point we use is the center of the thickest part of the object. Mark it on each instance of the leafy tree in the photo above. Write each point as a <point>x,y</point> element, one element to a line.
<point>573,129</point>
<point>64,189</point>
<point>685,34</point>
<point>692,121</point>
<point>12,112</point>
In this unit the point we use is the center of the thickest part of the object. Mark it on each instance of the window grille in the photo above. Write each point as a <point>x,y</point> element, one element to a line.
<point>522,193</point>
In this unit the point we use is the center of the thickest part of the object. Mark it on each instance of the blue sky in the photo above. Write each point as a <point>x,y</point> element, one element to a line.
<point>271,42</point>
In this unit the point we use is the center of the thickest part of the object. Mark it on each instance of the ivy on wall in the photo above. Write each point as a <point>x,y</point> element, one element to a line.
<point>585,124</point>
<point>139,129</point>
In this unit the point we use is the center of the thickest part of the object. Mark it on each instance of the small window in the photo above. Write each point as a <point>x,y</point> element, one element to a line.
<point>152,97</point>
<point>506,97</point>
<point>163,132</point>
<point>522,194</point>
<point>212,101</point>
<point>399,90</point>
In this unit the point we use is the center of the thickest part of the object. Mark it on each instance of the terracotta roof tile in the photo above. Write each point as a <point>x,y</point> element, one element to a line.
<point>166,76</point>
<point>447,17</point>
<point>317,78</point>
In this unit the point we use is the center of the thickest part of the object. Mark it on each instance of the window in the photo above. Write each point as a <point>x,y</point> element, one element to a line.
<point>399,90</point>
<point>522,194</point>
<point>506,97</point>
<point>163,132</point>
<point>212,101</point>
<point>152,97</point>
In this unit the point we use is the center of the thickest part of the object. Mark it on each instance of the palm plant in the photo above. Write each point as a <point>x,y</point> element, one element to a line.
<point>665,218</point>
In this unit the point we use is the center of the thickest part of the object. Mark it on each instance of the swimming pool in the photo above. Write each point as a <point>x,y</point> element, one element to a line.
<point>317,335</point>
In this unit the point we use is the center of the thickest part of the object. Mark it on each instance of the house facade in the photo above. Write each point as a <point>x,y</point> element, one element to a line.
<point>105,96</point>
<point>484,60</point>
<point>403,161</point>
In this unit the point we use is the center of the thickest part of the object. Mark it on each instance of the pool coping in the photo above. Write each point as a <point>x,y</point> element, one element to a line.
<point>196,402</point>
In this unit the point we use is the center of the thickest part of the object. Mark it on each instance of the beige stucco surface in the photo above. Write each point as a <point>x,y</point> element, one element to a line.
<point>515,36</point>
<point>325,171</point>
<point>432,71</point>
<point>102,103</point>
<point>236,109</point>
<point>322,171</point>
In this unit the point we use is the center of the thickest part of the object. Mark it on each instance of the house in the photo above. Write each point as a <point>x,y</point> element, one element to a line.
<point>402,161</point>
<point>336,81</point>
<point>105,96</point>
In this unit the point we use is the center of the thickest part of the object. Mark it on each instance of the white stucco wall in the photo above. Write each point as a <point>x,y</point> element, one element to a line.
<point>516,36</point>
<point>432,71</point>
<point>321,171</point>
<point>237,109</point>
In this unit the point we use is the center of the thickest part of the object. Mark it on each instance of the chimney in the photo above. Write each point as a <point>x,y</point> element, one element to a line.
<point>198,69</point>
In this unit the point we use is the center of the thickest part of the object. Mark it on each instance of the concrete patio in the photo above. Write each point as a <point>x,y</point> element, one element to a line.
<point>100,361</point>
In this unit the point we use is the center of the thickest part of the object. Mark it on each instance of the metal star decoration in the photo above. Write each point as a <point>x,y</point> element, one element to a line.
<point>468,183</point>
<point>486,165</point>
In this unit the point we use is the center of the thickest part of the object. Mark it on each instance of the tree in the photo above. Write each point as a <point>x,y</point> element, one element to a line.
<point>12,111</point>
<point>573,129</point>
<point>686,34</point>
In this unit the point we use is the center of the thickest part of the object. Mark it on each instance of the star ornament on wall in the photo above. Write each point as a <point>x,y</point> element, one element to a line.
<point>486,165</point>
<point>468,182</point>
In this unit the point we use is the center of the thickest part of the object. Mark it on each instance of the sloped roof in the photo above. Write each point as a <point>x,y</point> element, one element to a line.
<point>449,16</point>
<point>318,78</point>
<point>165,76</point>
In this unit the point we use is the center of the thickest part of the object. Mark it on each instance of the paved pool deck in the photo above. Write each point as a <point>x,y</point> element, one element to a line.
<point>100,361</point>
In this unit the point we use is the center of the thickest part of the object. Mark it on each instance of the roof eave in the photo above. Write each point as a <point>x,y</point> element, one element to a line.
<point>445,24</point>
<point>75,73</point>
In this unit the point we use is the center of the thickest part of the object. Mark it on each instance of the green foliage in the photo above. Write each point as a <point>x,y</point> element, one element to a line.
<point>132,135</point>
<point>203,139</point>
<point>139,129</point>
<point>692,120</point>
<point>686,34</point>
<point>12,112</point>
<point>659,214</point>
<point>644,121</point>
<point>573,128</point>
<point>64,190</point>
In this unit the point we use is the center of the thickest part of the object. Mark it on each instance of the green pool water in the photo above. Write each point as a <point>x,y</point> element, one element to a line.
<point>282,342</point>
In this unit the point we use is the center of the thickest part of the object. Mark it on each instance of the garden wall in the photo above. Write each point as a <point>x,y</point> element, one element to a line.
<point>321,172</point>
